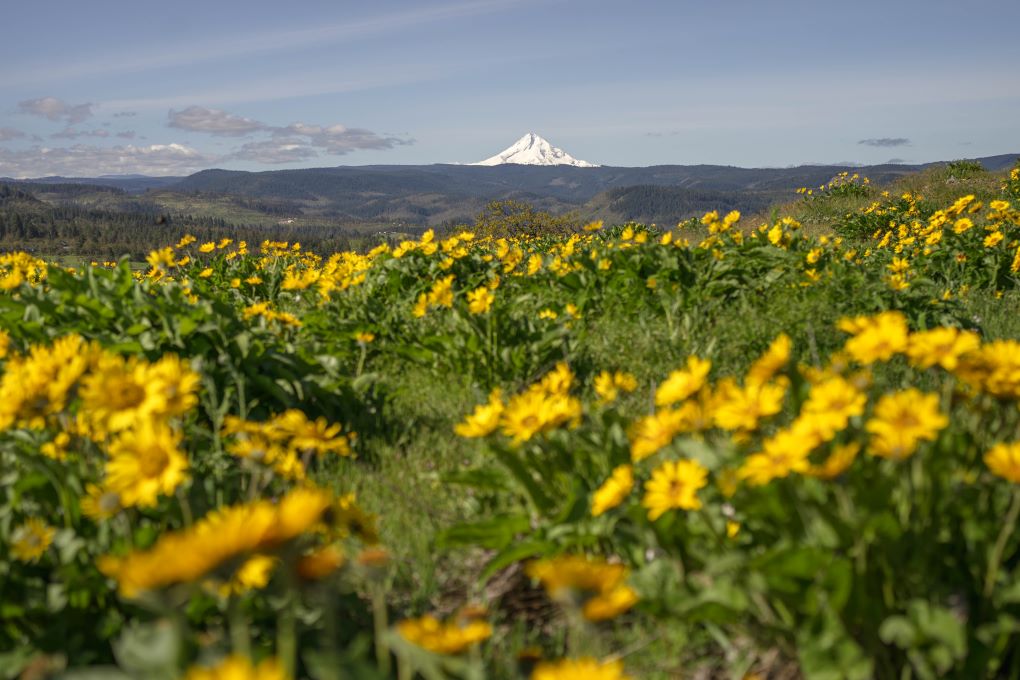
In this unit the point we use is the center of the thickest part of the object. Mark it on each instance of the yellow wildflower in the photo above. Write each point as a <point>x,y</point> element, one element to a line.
<point>119,393</point>
<point>238,668</point>
<point>941,346</point>
<point>609,385</point>
<point>441,294</point>
<point>683,383</point>
<point>771,362</point>
<point>613,491</point>
<point>784,453</point>
<point>830,405</point>
<point>56,449</point>
<point>994,368</point>
<point>1004,460</point>
<point>34,388</point>
<point>876,338</point>
<point>674,485</point>
<point>837,463</point>
<point>222,537</point>
<point>901,420</point>
<point>161,259</point>
<point>740,408</point>
<point>569,578</point>
<point>145,461</point>
<point>452,637</point>
<point>485,418</point>
<point>480,300</point>
<point>30,540</point>
<point>993,239</point>
<point>610,604</point>
<point>535,411</point>
<point>253,574</point>
<point>580,669</point>
<point>99,503</point>
<point>320,563</point>
<point>649,434</point>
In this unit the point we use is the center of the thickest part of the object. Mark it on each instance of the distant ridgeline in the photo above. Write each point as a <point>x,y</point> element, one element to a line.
<point>74,229</point>
<point>348,207</point>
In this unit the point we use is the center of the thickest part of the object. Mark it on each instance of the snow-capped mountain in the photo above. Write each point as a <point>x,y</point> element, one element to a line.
<point>533,150</point>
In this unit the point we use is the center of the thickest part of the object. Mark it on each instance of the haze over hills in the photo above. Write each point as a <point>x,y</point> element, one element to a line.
<point>436,194</point>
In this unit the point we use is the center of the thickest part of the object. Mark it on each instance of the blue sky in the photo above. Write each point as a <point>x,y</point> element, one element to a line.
<point>111,86</point>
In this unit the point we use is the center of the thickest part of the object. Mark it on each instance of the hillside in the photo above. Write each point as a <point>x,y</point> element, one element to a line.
<point>432,194</point>
<point>354,205</point>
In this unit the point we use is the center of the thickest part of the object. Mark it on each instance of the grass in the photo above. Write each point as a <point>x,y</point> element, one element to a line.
<point>938,186</point>
<point>409,478</point>
<point>406,482</point>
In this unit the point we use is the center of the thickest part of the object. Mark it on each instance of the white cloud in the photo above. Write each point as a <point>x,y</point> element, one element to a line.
<point>273,151</point>
<point>214,122</point>
<point>91,161</point>
<point>273,145</point>
<point>338,140</point>
<point>295,142</point>
<point>56,109</point>
<point>300,142</point>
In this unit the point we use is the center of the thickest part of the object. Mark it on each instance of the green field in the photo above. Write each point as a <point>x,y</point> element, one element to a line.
<point>783,445</point>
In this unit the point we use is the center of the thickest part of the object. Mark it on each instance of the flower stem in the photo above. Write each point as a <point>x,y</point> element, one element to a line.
<point>382,654</point>
<point>286,637</point>
<point>240,637</point>
<point>1000,544</point>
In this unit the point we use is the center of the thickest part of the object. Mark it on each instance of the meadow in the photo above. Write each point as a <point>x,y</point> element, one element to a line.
<point>777,446</point>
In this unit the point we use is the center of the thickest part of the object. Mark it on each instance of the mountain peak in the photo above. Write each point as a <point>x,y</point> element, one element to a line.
<point>531,149</point>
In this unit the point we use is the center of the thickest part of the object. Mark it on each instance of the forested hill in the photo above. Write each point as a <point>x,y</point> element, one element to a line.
<point>133,228</point>
<point>339,184</point>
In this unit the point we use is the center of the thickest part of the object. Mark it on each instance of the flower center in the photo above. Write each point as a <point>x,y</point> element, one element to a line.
<point>153,461</point>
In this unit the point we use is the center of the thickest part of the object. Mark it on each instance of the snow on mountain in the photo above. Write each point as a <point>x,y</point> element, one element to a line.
<point>533,150</point>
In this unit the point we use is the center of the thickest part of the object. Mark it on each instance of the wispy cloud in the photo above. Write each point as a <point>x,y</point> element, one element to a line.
<point>214,122</point>
<point>90,161</point>
<point>885,142</point>
<point>56,109</point>
<point>125,114</point>
<point>288,144</point>
<point>311,84</point>
<point>77,134</point>
<point>337,140</point>
<point>7,134</point>
<point>273,151</point>
<point>275,144</point>
<point>241,45</point>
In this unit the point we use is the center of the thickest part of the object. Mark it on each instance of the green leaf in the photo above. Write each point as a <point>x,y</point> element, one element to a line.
<point>898,630</point>
<point>95,673</point>
<point>486,478</point>
<point>827,652</point>
<point>149,650</point>
<point>494,533</point>
<point>516,553</point>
